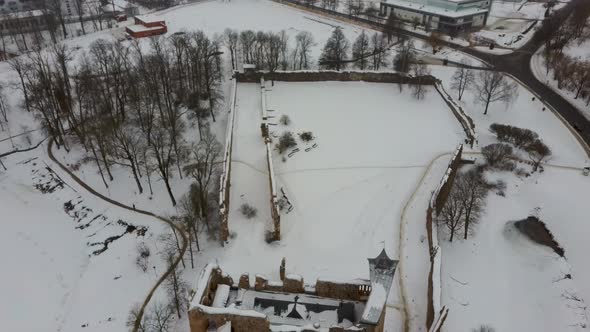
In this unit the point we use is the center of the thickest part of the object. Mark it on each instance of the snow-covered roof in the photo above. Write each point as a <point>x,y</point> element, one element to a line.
<point>140,28</point>
<point>436,10</point>
<point>375,305</point>
<point>149,18</point>
<point>23,14</point>
<point>221,296</point>
<point>203,283</point>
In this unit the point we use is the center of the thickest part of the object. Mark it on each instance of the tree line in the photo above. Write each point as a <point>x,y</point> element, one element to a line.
<point>128,106</point>
<point>571,73</point>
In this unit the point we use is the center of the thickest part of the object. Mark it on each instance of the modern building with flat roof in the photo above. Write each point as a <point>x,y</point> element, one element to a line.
<point>449,16</point>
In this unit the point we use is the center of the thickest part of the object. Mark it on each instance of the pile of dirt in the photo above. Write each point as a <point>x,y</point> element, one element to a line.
<point>537,231</point>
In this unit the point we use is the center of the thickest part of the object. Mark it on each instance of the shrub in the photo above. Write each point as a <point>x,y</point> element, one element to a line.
<point>306,136</point>
<point>484,328</point>
<point>285,120</point>
<point>248,211</point>
<point>282,203</point>
<point>286,141</point>
<point>497,155</point>
<point>143,254</point>
<point>499,187</point>
<point>520,137</point>
<point>537,152</point>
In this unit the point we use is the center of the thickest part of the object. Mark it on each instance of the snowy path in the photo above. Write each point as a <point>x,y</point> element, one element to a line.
<point>183,235</point>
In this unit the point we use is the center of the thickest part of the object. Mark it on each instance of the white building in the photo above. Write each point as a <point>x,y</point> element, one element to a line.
<point>450,16</point>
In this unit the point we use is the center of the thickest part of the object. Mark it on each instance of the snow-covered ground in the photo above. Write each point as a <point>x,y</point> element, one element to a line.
<point>374,145</point>
<point>523,112</point>
<point>511,24</point>
<point>500,278</point>
<point>216,16</point>
<point>54,279</point>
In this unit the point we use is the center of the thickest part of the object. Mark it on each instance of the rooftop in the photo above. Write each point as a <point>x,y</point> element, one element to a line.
<point>297,309</point>
<point>139,28</point>
<point>436,9</point>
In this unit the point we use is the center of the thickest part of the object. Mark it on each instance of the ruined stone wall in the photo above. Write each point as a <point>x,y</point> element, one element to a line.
<point>217,277</point>
<point>199,322</point>
<point>339,290</point>
<point>330,75</point>
<point>464,119</point>
<point>437,201</point>
<point>224,188</point>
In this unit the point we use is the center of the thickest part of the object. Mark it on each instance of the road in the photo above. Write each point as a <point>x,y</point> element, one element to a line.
<point>516,64</point>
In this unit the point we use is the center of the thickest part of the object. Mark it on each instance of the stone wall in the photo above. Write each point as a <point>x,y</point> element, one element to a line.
<point>341,290</point>
<point>330,75</point>
<point>224,188</point>
<point>464,119</point>
<point>275,233</point>
<point>437,201</point>
<point>216,278</point>
<point>199,321</point>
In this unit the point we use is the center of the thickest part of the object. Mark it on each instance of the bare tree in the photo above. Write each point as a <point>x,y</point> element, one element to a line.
<point>190,211</point>
<point>231,38</point>
<point>472,190</point>
<point>80,8</point>
<point>176,288</point>
<point>361,51</point>
<point>404,57</point>
<point>538,151</point>
<point>302,54</point>
<point>451,215</point>
<point>379,51</point>
<point>420,70</point>
<point>161,317</point>
<point>497,154</point>
<point>462,78</point>
<point>144,323</point>
<point>204,169</point>
<point>491,86</point>
<point>23,69</point>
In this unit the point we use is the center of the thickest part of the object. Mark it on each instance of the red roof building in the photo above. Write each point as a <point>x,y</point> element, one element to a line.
<point>146,26</point>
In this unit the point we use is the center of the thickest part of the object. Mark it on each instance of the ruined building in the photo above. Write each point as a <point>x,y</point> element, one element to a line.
<point>219,304</point>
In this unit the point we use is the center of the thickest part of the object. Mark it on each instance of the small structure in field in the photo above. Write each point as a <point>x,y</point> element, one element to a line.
<point>146,26</point>
<point>334,306</point>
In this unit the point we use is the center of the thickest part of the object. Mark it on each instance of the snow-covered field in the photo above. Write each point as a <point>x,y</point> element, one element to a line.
<point>372,143</point>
